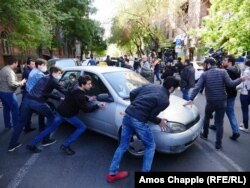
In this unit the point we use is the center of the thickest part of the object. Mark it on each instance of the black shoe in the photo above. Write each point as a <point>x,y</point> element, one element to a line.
<point>48,142</point>
<point>29,130</point>
<point>33,149</point>
<point>203,136</point>
<point>218,146</point>
<point>13,147</point>
<point>235,136</point>
<point>213,127</point>
<point>67,150</point>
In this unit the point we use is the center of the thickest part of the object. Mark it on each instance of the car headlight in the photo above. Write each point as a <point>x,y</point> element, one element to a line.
<point>174,127</point>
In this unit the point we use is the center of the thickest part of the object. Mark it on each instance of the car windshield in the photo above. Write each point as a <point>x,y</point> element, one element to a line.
<point>65,63</point>
<point>124,82</point>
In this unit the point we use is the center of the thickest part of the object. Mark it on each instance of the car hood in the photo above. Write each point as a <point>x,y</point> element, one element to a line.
<point>176,112</point>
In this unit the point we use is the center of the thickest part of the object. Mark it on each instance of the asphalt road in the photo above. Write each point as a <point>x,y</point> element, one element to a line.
<point>88,167</point>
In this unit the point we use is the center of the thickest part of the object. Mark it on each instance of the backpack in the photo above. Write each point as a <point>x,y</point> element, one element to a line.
<point>38,90</point>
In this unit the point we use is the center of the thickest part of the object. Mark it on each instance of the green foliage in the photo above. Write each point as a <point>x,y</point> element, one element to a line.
<point>29,26</point>
<point>228,25</point>
<point>50,23</point>
<point>137,25</point>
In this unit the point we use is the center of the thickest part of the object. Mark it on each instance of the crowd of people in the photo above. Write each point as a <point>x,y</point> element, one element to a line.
<point>220,84</point>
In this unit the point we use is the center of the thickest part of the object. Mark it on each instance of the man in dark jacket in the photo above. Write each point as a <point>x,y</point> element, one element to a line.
<point>214,80</point>
<point>36,100</point>
<point>66,112</point>
<point>30,65</point>
<point>169,71</point>
<point>146,103</point>
<point>234,73</point>
<point>179,66</point>
<point>187,79</point>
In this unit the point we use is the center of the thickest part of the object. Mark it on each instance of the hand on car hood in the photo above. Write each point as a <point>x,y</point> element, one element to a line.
<point>176,112</point>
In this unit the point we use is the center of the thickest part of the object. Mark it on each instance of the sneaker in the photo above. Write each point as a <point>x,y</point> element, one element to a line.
<point>118,176</point>
<point>218,146</point>
<point>244,129</point>
<point>203,136</point>
<point>235,136</point>
<point>48,142</point>
<point>67,150</point>
<point>213,127</point>
<point>33,149</point>
<point>29,130</point>
<point>13,147</point>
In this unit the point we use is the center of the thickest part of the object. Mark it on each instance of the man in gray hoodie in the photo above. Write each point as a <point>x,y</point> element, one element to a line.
<point>214,80</point>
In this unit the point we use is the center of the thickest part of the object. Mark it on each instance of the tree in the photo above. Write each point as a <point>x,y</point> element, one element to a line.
<point>228,25</point>
<point>27,27</point>
<point>138,25</point>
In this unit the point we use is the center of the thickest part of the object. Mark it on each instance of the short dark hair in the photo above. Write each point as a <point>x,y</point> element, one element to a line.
<point>72,75</point>
<point>187,61</point>
<point>171,81</point>
<point>54,70</point>
<point>210,61</point>
<point>29,60</point>
<point>40,61</point>
<point>230,59</point>
<point>11,60</point>
<point>84,79</point>
<point>247,63</point>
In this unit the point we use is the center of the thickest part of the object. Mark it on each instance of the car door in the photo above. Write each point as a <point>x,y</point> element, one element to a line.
<point>102,121</point>
<point>65,81</point>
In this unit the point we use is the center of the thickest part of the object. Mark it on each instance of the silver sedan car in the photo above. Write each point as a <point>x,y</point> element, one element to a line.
<point>112,85</point>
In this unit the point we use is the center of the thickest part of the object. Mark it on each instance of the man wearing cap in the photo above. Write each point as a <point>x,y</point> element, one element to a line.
<point>214,80</point>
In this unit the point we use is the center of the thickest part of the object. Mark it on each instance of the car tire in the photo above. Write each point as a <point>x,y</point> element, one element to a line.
<point>136,147</point>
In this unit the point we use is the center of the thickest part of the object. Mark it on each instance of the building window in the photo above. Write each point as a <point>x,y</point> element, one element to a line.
<point>5,43</point>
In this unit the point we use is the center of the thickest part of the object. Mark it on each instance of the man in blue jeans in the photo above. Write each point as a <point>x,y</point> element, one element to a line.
<point>214,80</point>
<point>146,103</point>
<point>234,72</point>
<point>36,100</point>
<point>8,86</point>
<point>66,112</point>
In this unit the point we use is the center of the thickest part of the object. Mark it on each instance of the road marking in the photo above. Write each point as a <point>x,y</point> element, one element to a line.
<point>23,171</point>
<point>208,155</point>
<point>223,156</point>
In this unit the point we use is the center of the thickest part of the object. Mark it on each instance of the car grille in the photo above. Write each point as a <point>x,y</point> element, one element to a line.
<point>192,123</point>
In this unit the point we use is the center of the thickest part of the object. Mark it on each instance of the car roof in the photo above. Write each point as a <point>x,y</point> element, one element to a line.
<point>97,69</point>
<point>61,59</point>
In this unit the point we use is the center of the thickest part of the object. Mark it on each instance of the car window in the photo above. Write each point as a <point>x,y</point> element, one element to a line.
<point>124,82</point>
<point>70,79</point>
<point>98,85</point>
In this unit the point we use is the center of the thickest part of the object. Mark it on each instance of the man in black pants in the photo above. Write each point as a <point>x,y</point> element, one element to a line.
<point>214,80</point>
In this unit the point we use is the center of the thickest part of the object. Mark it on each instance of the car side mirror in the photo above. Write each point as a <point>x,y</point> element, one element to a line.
<point>105,97</point>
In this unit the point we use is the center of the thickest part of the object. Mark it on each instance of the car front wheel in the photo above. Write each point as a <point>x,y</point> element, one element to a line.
<point>136,147</point>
